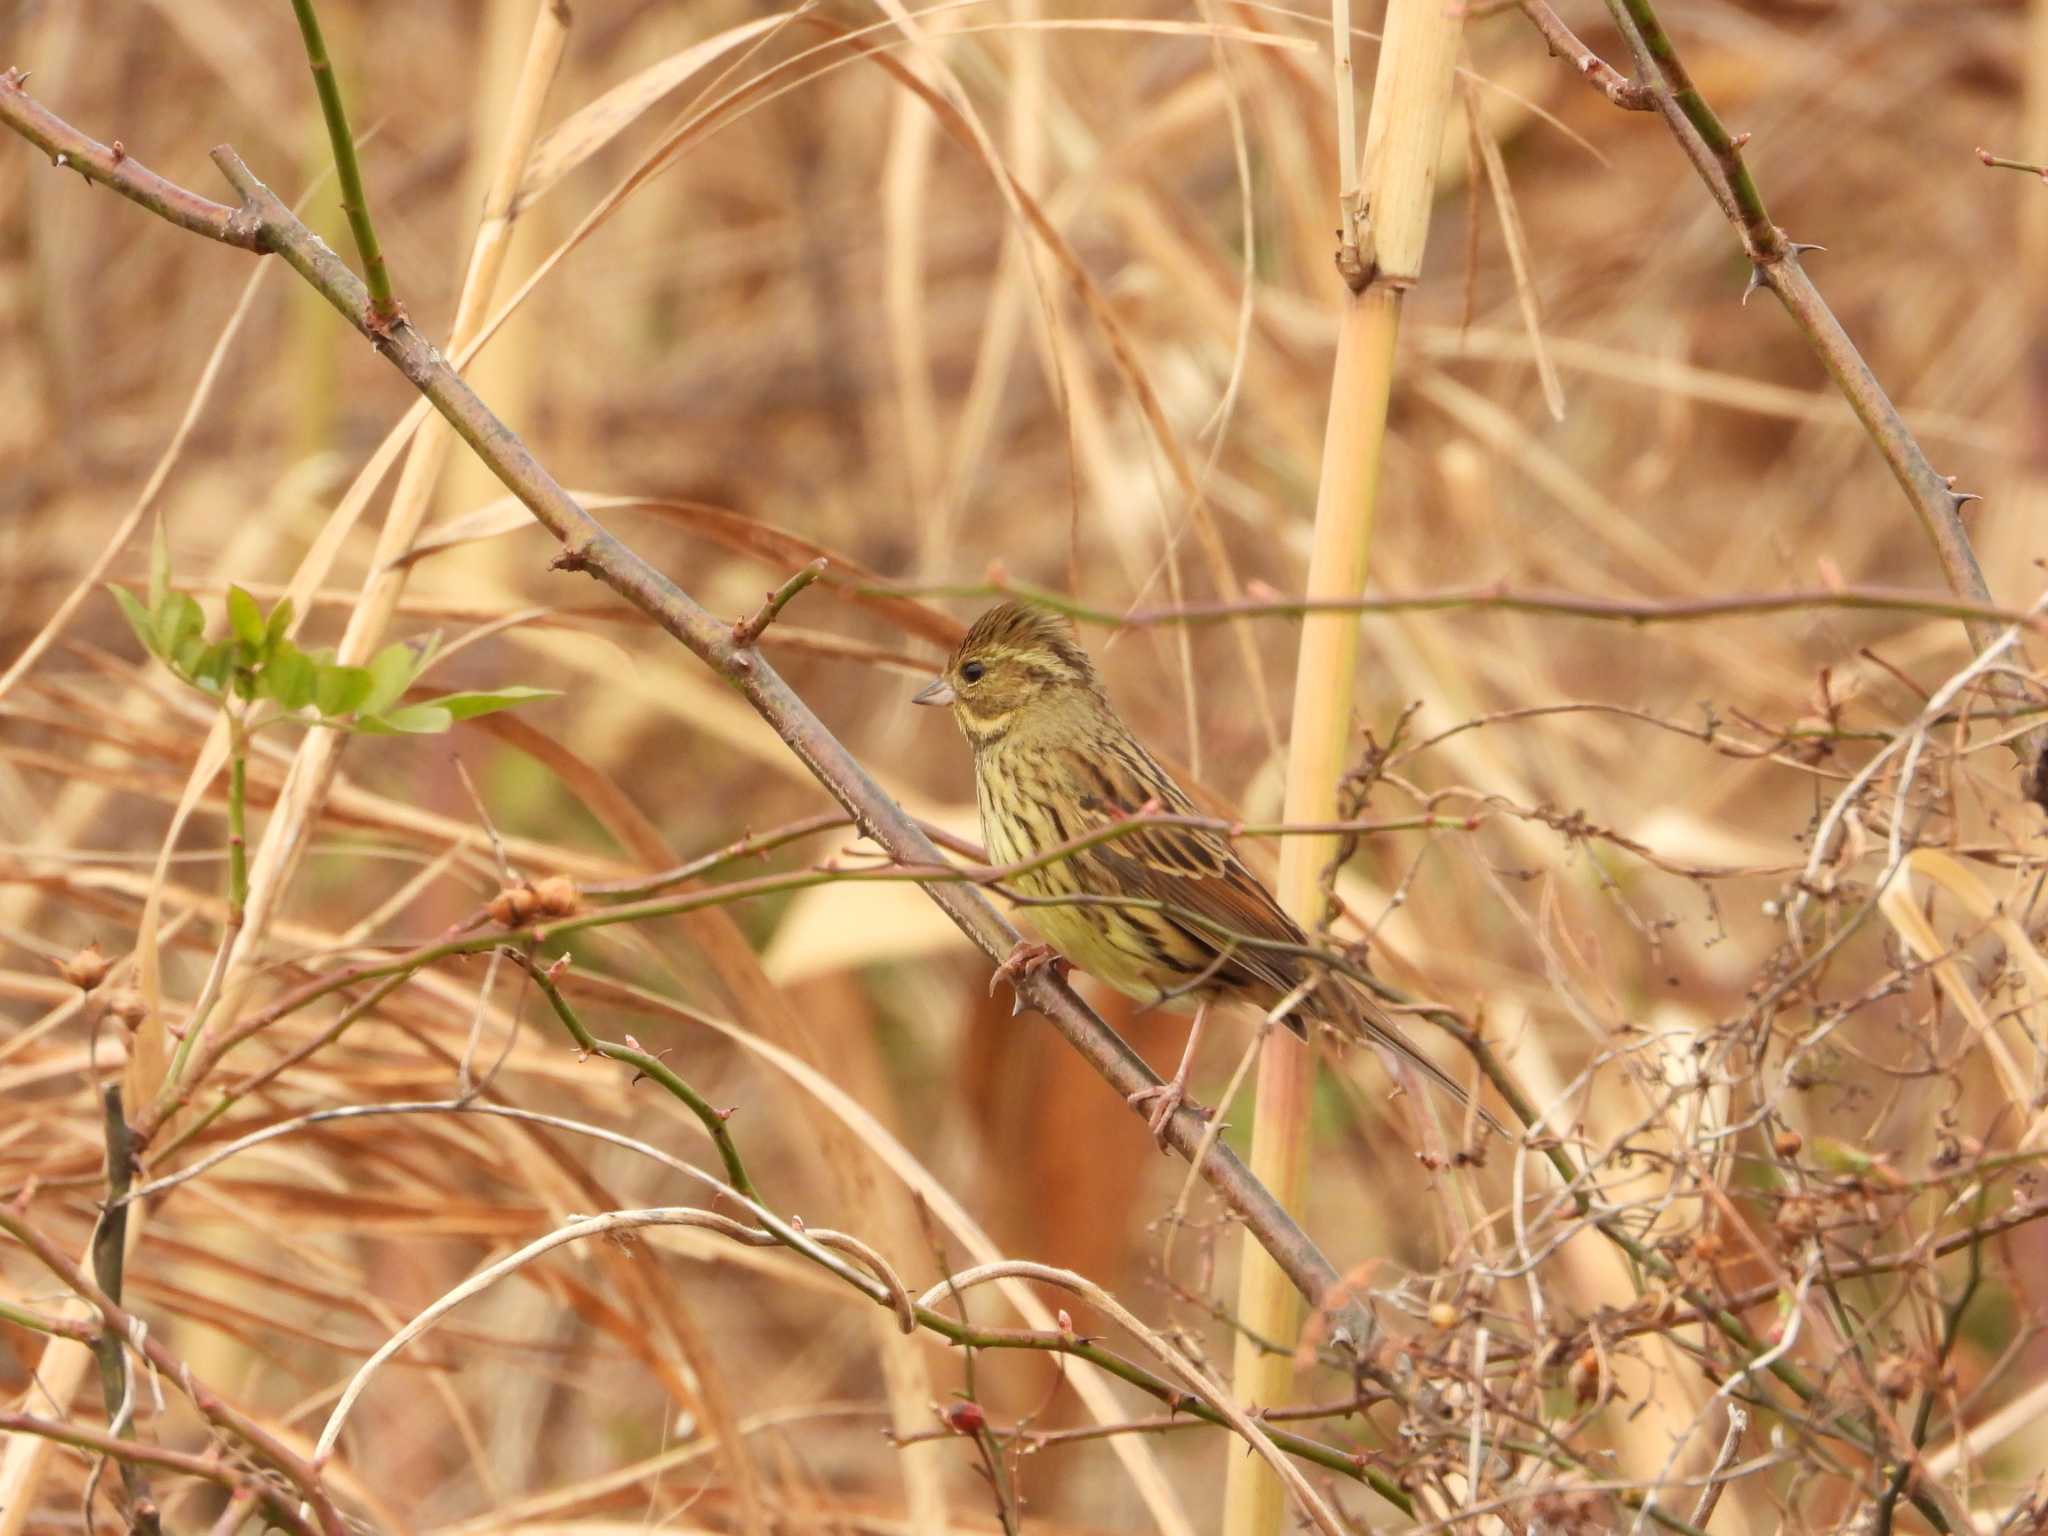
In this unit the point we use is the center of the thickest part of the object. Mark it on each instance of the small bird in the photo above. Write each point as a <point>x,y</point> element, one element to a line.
<point>1053,763</point>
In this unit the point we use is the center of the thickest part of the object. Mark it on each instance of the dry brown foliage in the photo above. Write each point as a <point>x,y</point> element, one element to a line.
<point>1749,906</point>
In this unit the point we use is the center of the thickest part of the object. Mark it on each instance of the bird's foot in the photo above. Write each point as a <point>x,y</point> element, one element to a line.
<point>1164,1100</point>
<point>1027,960</point>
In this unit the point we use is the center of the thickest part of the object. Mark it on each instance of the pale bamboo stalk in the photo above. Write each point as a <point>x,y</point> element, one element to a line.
<point>1404,137</point>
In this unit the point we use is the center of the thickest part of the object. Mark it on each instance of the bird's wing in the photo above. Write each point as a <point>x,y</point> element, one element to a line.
<point>1200,881</point>
<point>1205,888</point>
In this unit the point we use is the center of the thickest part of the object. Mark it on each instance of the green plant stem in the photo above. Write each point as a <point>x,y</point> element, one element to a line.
<point>647,1065</point>
<point>1765,240</point>
<point>238,830</point>
<point>75,1329</point>
<point>773,1229</point>
<point>109,1260</point>
<point>383,307</point>
<point>931,876</point>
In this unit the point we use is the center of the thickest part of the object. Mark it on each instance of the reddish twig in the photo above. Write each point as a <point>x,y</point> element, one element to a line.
<point>1999,162</point>
<point>1629,95</point>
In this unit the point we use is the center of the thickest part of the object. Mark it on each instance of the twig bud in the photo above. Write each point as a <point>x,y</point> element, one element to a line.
<point>558,896</point>
<point>86,969</point>
<point>514,906</point>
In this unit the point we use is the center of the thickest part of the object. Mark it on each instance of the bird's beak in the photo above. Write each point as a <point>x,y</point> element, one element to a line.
<point>937,691</point>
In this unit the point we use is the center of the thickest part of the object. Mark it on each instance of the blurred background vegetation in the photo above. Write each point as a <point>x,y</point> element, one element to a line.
<point>821,318</point>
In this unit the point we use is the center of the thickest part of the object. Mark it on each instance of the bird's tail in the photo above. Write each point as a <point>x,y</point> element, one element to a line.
<point>1339,1002</point>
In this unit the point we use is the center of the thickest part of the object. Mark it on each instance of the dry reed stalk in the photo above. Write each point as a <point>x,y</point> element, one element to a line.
<point>1385,224</point>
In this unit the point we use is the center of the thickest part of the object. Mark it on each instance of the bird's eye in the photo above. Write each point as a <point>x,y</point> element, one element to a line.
<point>972,672</point>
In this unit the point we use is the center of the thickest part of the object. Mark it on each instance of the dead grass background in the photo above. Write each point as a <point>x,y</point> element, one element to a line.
<point>820,318</point>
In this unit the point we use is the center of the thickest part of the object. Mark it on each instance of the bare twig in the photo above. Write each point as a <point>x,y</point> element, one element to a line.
<point>748,630</point>
<point>1999,162</point>
<point>1629,95</point>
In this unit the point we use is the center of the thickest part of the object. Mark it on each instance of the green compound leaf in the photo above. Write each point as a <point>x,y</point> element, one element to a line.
<point>280,622</point>
<point>391,673</point>
<point>178,618</point>
<point>138,617</point>
<point>159,567</point>
<point>467,706</point>
<point>289,677</point>
<point>246,619</point>
<point>410,720</point>
<point>340,690</point>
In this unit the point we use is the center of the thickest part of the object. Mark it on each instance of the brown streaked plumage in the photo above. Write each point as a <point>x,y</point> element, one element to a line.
<point>1054,762</point>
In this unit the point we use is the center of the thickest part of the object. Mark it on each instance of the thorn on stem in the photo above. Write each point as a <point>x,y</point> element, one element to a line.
<point>1960,498</point>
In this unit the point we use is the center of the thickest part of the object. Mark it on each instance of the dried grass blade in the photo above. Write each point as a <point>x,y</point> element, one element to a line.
<point>576,138</point>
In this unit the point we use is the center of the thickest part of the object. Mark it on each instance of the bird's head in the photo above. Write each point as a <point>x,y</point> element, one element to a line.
<point>1016,665</point>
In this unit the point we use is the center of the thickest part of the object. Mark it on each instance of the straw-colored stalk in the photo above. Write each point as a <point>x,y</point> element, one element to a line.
<point>1411,99</point>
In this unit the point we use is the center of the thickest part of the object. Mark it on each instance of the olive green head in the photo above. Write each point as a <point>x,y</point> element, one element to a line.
<point>1015,665</point>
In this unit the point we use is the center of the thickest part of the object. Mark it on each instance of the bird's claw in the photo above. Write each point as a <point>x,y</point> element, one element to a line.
<point>1026,960</point>
<point>1165,1099</point>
